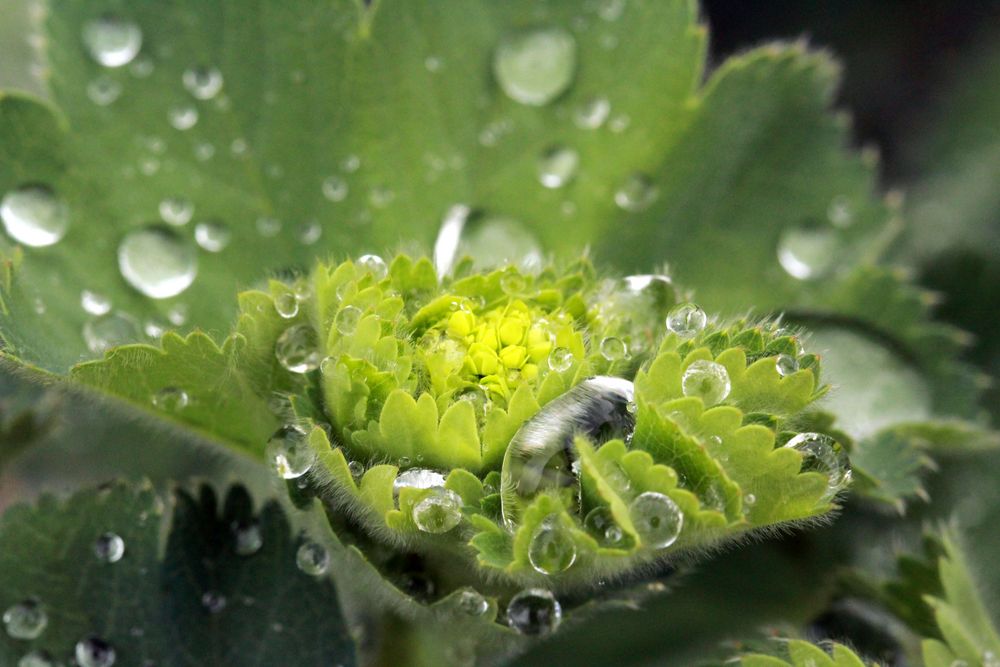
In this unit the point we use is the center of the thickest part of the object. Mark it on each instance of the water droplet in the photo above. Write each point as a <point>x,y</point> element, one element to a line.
<point>204,151</point>
<point>178,314</point>
<point>247,539</point>
<point>109,331</point>
<point>213,601</point>
<point>592,113</point>
<point>176,211</point>
<point>157,262</point>
<point>171,399</point>
<point>380,196</point>
<point>36,658</point>
<point>749,499</point>
<point>439,511</point>
<point>34,215</point>
<point>357,469</point>
<point>374,265</point>
<point>808,252</point>
<point>686,320</point>
<point>94,652</point>
<point>557,166</point>
<point>417,478</point>
<point>268,227</point>
<point>239,147</point>
<point>657,519</point>
<point>614,349</point>
<point>203,83</point>
<point>183,116</point>
<point>786,364</point>
<point>25,620</point>
<point>537,66</point>
<point>561,359</point>
<point>611,10</point>
<point>286,303</point>
<point>312,558</point>
<point>94,303</point>
<point>347,320</point>
<point>620,123</point>
<point>552,549</point>
<point>335,188</point>
<point>823,454</point>
<point>109,548</point>
<point>289,452</point>
<point>350,164</point>
<point>473,603</point>
<point>840,212</point>
<point>297,349</point>
<point>706,380</point>
<point>212,236</point>
<point>103,90</point>
<point>309,232</point>
<point>534,611</point>
<point>112,41</point>
<point>539,455</point>
<point>433,63</point>
<point>636,193</point>
<point>601,523</point>
<point>512,282</point>
<point>141,68</point>
<point>490,240</point>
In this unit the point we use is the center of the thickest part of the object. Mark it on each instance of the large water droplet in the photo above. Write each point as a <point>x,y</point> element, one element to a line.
<point>109,331</point>
<point>535,67</point>
<point>636,193</point>
<point>212,235</point>
<point>36,658</point>
<point>823,454</point>
<point>34,215</point>
<point>614,348</point>
<point>706,380</point>
<point>552,548</point>
<point>176,211</point>
<point>540,455</point>
<point>374,265</point>
<point>534,611</point>
<point>297,349</point>
<point>202,82</point>
<point>686,320</point>
<point>439,511</point>
<point>490,240</point>
<point>561,359</point>
<point>417,478</point>
<point>94,652</point>
<point>247,539</point>
<point>808,252</point>
<point>25,620</point>
<point>786,364</point>
<point>109,548</point>
<point>94,303</point>
<point>312,558</point>
<point>112,41</point>
<point>347,320</point>
<point>557,166</point>
<point>157,262</point>
<point>657,519</point>
<point>592,113</point>
<point>289,452</point>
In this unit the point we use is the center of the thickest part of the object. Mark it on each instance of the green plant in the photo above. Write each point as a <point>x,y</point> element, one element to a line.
<point>514,422</point>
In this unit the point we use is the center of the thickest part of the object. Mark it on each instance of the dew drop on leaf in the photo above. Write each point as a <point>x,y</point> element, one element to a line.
<point>614,348</point>
<point>36,658</point>
<point>561,359</point>
<point>213,601</point>
<point>182,117</point>
<point>94,652</point>
<point>472,602</point>
<point>335,188</point>
<point>157,262</point>
<point>34,215</point>
<point>534,611</point>
<point>706,380</point>
<point>808,252</point>
<point>247,539</point>
<point>611,10</point>
<point>289,452</point>
<point>268,227</point>
<point>204,83</point>
<point>557,166</point>
<point>176,211</point>
<point>286,303</point>
<point>417,478</point>
<point>686,320</point>
<point>103,90</point>
<point>823,454</point>
<point>171,399</point>
<point>357,469</point>
<point>312,558</point>
<point>94,303</point>
<point>347,320</point>
<point>297,349</point>
<point>109,547</point>
<point>552,548</point>
<point>601,524</point>
<point>840,213</point>
<point>657,519</point>
<point>374,265</point>
<point>636,193</point>
<point>111,40</point>
<point>212,236</point>
<point>786,364</point>
<point>439,511</point>
<point>25,620</point>
<point>141,68</point>
<point>309,232</point>
<point>108,331</point>
<point>536,66</point>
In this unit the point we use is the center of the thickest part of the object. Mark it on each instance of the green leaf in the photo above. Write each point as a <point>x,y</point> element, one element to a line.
<point>798,653</point>
<point>270,612</point>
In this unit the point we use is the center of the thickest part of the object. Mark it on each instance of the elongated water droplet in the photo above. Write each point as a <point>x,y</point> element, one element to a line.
<point>297,349</point>
<point>687,320</point>
<point>335,188</point>
<point>34,215</point>
<point>36,658</point>
<point>636,193</point>
<point>592,113</point>
<point>103,90</point>
<point>25,620</point>
<point>94,652</point>
<point>95,303</point>
<point>823,454</point>
<point>537,66</point>
<point>552,548</point>
<point>657,519</point>
<point>561,359</point>
<point>212,235</point>
<point>247,539</point>
<point>290,453</point>
<point>439,511</point>
<point>312,558</point>
<point>176,211</point>
<point>540,455</point>
<point>109,331</point>
<point>706,380</point>
<point>171,399</point>
<point>109,548</point>
<point>112,41</point>
<point>157,262</point>
<point>417,478</point>
<point>213,601</point>
<point>203,83</point>
<point>808,252</point>
<point>557,166</point>
<point>534,611</point>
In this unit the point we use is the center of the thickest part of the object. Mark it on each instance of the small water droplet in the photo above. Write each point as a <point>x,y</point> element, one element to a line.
<point>808,252</point>
<point>312,558</point>
<point>347,320</point>
<point>357,469</point>
<point>592,113</point>
<point>176,211</point>
<point>25,620</point>
<point>268,227</point>
<point>749,499</point>
<point>601,523</point>
<point>374,265</point>
<point>171,399</point>
<point>212,235</point>
<point>534,611</point>
<point>706,380</point>
<point>561,359</point>
<point>535,67</point>
<point>94,303</point>
<point>823,454</point>
<point>141,68</point>
<point>109,331</point>
<point>417,478</point>
<point>433,63</point>
<point>157,262</point>
<point>636,193</point>
<point>104,90</point>
<point>178,314</point>
<point>36,658</point>
<point>657,519</point>
<point>112,41</point>
<point>34,215</point>
<point>472,602</point>
<point>439,511</point>
<point>552,548</point>
<point>557,166</point>
<point>109,548</point>
<point>183,116</point>
<point>247,538</point>
<point>380,196</point>
<point>297,349</point>
<point>94,652</point>
<point>203,83</point>
<point>204,151</point>
<point>350,164</point>
<point>840,212</point>
<point>786,364</point>
<point>239,147</point>
<point>686,320</point>
<point>289,452</point>
<point>335,188</point>
<point>614,349</point>
<point>286,303</point>
<point>611,10</point>
<point>213,601</point>
<point>619,124</point>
